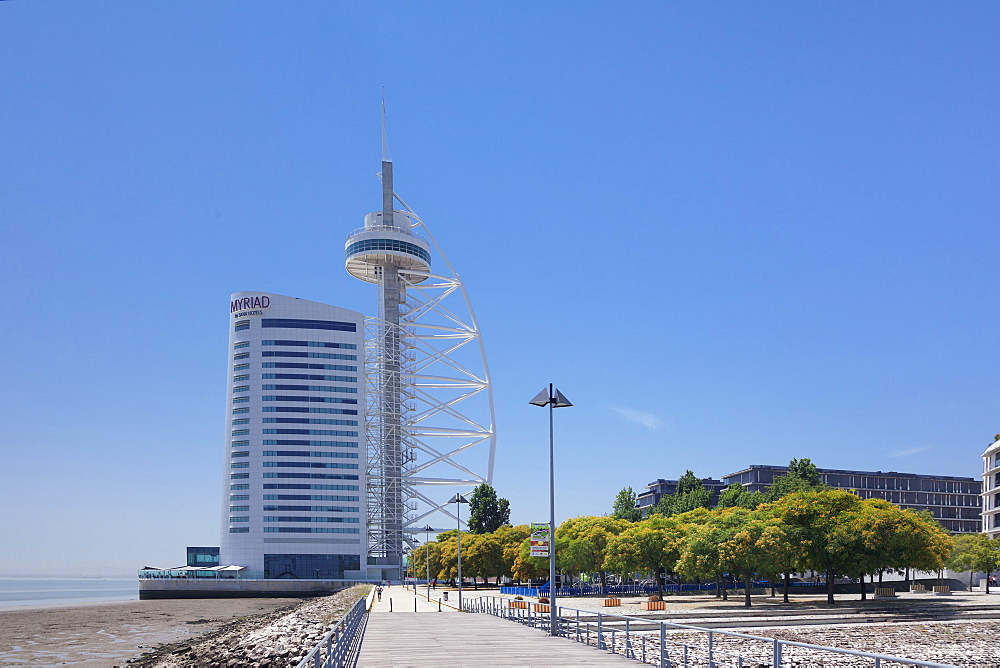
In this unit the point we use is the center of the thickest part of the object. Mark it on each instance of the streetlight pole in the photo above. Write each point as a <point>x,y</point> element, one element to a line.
<point>458,500</point>
<point>427,557</point>
<point>552,398</point>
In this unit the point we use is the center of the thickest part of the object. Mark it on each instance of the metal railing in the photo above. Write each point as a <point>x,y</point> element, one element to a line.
<point>339,647</point>
<point>672,645</point>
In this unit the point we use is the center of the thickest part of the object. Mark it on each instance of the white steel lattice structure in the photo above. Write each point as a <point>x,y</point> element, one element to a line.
<point>430,424</point>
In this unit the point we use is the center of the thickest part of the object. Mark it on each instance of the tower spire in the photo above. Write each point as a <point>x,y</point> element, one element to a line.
<point>386,173</point>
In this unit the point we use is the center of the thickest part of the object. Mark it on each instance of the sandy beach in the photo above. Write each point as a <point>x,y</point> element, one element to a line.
<point>103,635</point>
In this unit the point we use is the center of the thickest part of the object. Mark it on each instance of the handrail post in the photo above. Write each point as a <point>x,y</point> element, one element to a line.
<point>776,661</point>
<point>600,631</point>
<point>663,645</point>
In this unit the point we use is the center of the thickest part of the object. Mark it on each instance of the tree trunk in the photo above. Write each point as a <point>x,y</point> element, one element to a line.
<point>987,582</point>
<point>604,583</point>
<point>659,582</point>
<point>788,580</point>
<point>864,589</point>
<point>829,587</point>
<point>746,583</point>
<point>880,576</point>
<point>725,588</point>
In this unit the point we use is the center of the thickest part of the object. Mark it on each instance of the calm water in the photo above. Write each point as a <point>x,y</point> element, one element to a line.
<point>16,592</point>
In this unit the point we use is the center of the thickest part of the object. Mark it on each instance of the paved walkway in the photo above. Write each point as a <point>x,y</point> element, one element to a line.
<point>448,638</point>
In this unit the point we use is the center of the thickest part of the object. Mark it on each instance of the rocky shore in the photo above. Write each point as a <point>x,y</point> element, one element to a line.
<point>281,638</point>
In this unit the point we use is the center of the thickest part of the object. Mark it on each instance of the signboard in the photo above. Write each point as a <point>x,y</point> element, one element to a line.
<point>539,540</point>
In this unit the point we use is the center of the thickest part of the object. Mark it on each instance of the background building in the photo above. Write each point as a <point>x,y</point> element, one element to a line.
<point>660,488</point>
<point>294,483</point>
<point>953,501</point>
<point>991,490</point>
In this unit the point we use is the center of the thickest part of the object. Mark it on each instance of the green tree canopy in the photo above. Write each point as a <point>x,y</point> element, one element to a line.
<point>975,553</point>
<point>737,496</point>
<point>691,493</point>
<point>624,508</point>
<point>649,545</point>
<point>802,476</point>
<point>487,513</point>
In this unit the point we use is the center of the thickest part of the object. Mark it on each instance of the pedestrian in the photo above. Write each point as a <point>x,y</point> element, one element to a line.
<point>378,592</point>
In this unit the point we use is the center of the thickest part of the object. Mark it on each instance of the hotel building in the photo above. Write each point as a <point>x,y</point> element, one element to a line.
<point>991,490</point>
<point>295,456</point>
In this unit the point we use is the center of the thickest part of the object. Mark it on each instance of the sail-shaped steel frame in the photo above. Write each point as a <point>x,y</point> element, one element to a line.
<point>425,345</point>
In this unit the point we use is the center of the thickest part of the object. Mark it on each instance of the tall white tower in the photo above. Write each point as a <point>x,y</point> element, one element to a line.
<point>429,423</point>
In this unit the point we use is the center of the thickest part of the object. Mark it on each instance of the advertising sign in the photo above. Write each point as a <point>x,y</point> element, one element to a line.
<point>539,540</point>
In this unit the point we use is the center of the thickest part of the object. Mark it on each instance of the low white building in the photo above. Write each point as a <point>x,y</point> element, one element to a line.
<point>991,489</point>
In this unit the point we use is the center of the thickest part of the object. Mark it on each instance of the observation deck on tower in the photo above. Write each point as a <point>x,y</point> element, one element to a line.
<point>379,245</point>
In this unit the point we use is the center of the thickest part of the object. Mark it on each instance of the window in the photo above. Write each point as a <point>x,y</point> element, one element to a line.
<point>238,476</point>
<point>241,344</point>
<point>306,497</point>
<point>334,444</point>
<point>238,379</point>
<point>309,566</point>
<point>241,432</point>
<point>241,356</point>
<point>311,432</point>
<point>322,400</point>
<point>307,509</point>
<point>241,388</point>
<point>244,453</point>
<point>311,344</point>
<point>294,323</point>
<point>308,530</point>
<point>240,411</point>
<point>306,376</point>
<point>239,519</point>
<point>239,529</point>
<point>237,444</point>
<point>240,465</point>
<point>308,518</point>
<point>241,367</point>
<point>241,421</point>
<point>239,486</point>
<point>242,324</point>
<point>300,409</point>
<point>304,365</point>
<point>239,497</point>
<point>241,400</point>
<point>239,509</point>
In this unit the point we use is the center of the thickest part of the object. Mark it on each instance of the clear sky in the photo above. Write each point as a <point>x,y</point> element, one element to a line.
<point>731,233</point>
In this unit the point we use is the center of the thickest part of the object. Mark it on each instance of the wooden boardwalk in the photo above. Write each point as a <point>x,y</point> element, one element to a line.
<point>449,638</point>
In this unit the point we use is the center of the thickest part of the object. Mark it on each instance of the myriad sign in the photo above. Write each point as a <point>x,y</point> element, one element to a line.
<point>240,307</point>
<point>539,540</point>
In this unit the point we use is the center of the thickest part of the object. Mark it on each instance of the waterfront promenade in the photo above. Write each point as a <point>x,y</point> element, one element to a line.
<point>447,638</point>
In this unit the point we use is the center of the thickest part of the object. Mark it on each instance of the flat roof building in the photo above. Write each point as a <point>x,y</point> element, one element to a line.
<point>659,488</point>
<point>294,481</point>
<point>953,501</point>
<point>991,490</point>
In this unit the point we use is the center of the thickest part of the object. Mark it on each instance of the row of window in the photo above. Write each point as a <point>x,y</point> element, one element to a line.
<point>241,421</point>
<point>241,356</point>
<point>308,530</point>
<point>241,400</point>
<point>366,245</point>
<point>307,497</point>
<point>332,444</point>
<point>307,376</point>
<point>240,411</point>
<point>309,388</point>
<point>240,432</point>
<point>297,323</point>
<point>309,509</point>
<point>308,453</point>
<point>239,497</point>
<point>242,324</point>
<point>304,409</point>
<point>241,344</point>
<point>244,453</point>
<point>315,400</point>
<point>303,465</point>
<point>312,432</point>
<point>324,520</point>
<point>242,366</point>
<point>311,344</point>
<point>239,529</point>
<point>239,476</point>
<point>306,365</point>
<point>292,353</point>
<point>346,423</point>
<point>312,476</point>
<point>241,388</point>
<point>346,488</point>
<point>239,486</point>
<point>239,509</point>
<point>241,378</point>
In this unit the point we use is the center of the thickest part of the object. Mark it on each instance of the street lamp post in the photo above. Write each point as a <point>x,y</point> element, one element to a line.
<point>458,500</point>
<point>552,398</point>
<point>427,557</point>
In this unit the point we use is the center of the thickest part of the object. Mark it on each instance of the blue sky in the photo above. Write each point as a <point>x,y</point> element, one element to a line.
<point>731,233</point>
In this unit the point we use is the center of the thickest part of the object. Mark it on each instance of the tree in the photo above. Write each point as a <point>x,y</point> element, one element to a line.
<point>582,542</point>
<point>483,558</point>
<point>527,567</point>
<point>737,496</point>
<point>624,508</point>
<point>487,513</point>
<point>691,493</point>
<point>650,545</point>
<point>976,553</point>
<point>812,519</point>
<point>510,538</point>
<point>802,476</point>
